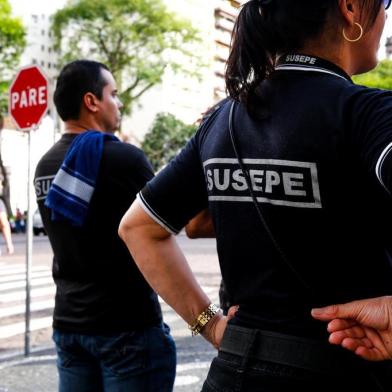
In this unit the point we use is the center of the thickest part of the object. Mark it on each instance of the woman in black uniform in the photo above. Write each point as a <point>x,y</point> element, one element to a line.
<point>296,171</point>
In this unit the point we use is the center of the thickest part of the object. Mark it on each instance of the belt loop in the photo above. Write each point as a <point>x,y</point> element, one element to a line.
<point>245,359</point>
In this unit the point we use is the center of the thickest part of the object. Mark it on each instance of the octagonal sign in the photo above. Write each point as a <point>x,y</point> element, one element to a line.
<point>28,97</point>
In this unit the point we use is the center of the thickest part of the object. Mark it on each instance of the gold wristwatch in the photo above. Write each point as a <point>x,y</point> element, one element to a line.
<point>203,318</point>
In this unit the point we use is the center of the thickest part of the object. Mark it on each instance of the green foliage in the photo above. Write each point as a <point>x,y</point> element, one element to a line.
<point>136,39</point>
<point>165,139</point>
<point>12,44</point>
<point>380,77</point>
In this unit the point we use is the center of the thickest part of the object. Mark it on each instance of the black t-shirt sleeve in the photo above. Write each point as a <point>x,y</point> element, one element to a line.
<point>126,167</point>
<point>144,171</point>
<point>371,131</point>
<point>178,192</point>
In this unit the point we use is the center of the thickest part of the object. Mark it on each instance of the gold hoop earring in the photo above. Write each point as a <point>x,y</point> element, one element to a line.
<point>356,39</point>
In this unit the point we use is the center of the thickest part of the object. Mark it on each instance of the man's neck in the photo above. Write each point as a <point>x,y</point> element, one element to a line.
<point>78,127</point>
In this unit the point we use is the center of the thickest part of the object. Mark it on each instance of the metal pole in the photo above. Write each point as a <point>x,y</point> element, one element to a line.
<point>29,246</point>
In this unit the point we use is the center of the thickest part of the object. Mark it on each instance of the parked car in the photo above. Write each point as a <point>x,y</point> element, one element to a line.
<point>38,226</point>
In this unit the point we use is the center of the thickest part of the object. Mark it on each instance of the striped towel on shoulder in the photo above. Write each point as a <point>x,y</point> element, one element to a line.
<point>72,188</point>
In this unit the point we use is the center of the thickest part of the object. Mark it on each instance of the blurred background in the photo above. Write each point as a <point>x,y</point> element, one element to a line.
<point>168,57</point>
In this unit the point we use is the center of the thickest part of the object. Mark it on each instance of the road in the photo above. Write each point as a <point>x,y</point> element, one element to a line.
<point>38,372</point>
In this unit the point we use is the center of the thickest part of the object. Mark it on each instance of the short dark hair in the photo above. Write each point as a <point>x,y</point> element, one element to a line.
<point>75,80</point>
<point>265,29</point>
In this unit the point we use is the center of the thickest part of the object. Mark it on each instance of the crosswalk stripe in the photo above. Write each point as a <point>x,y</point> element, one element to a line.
<point>170,318</point>
<point>10,330</point>
<point>20,309</point>
<point>21,295</point>
<point>17,277</point>
<point>210,290</point>
<point>19,270</point>
<point>21,284</point>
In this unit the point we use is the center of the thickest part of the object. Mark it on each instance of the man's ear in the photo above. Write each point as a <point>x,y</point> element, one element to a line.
<point>90,102</point>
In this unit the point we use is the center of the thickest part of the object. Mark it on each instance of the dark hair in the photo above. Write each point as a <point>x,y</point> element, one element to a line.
<point>75,80</point>
<point>267,28</point>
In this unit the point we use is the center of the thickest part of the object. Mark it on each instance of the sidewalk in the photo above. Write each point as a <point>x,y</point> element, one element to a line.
<point>36,373</point>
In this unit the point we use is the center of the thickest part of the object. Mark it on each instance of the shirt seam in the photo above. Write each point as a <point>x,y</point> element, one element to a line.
<point>154,215</point>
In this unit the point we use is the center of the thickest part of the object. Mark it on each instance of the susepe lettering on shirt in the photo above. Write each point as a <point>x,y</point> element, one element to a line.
<point>42,186</point>
<point>279,182</point>
<point>301,59</point>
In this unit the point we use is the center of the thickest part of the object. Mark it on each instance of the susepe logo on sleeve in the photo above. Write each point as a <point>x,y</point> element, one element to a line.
<point>279,182</point>
<point>42,186</point>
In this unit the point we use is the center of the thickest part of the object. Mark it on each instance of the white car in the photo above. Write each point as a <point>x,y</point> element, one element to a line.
<point>38,226</point>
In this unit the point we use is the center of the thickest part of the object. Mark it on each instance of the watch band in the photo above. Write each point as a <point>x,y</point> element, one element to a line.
<point>203,318</point>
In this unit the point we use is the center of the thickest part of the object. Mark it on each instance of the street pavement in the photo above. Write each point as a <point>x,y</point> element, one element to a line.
<point>37,373</point>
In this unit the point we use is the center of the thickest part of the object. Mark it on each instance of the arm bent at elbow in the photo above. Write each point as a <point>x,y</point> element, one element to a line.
<point>165,268</point>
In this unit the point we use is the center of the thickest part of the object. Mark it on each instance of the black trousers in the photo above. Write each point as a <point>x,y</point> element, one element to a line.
<point>262,361</point>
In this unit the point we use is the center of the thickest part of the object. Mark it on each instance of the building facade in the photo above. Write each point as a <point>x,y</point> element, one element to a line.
<point>185,97</point>
<point>14,144</point>
<point>388,48</point>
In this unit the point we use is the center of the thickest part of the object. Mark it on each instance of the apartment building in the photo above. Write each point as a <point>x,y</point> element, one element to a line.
<point>39,51</point>
<point>183,96</point>
<point>388,48</point>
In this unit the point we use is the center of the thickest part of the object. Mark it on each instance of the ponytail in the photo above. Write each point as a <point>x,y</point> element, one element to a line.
<point>252,56</point>
<point>266,29</point>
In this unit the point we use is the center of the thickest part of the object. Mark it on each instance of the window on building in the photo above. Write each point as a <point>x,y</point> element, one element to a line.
<point>35,18</point>
<point>34,61</point>
<point>42,32</point>
<point>43,48</point>
<point>388,47</point>
<point>42,63</point>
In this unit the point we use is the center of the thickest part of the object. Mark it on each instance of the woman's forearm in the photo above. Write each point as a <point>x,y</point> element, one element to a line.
<point>162,263</point>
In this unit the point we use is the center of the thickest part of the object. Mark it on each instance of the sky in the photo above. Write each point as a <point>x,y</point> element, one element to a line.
<point>21,7</point>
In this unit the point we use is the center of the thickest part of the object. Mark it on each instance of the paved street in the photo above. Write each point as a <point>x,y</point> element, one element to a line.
<point>38,373</point>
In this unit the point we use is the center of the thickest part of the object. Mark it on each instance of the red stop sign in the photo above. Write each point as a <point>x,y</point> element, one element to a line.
<point>28,97</point>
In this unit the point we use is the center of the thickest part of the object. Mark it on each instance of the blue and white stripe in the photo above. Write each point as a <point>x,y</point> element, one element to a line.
<point>73,185</point>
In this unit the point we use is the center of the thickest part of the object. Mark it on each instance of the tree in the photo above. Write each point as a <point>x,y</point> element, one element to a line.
<point>380,77</point>
<point>12,44</point>
<point>165,138</point>
<point>136,39</point>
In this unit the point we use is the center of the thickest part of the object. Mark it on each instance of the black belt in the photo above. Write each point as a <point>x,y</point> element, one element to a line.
<point>287,350</point>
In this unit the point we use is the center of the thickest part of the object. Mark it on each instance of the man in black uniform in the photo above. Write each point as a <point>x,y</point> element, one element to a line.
<point>107,320</point>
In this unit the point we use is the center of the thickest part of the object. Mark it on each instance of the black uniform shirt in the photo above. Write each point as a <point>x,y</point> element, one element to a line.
<point>99,287</point>
<point>320,166</point>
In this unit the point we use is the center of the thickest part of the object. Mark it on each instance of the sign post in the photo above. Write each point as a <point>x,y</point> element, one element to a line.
<point>28,103</point>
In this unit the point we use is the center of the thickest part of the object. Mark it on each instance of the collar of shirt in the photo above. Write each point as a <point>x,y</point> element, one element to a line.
<point>302,62</point>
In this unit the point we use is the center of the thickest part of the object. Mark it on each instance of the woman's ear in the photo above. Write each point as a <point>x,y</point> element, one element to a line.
<point>350,11</point>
